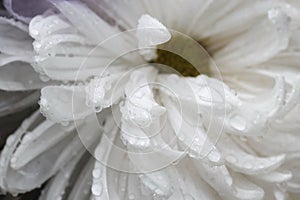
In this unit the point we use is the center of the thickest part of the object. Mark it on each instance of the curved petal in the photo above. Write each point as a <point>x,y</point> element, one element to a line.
<point>20,174</point>
<point>246,163</point>
<point>12,102</point>
<point>12,80</point>
<point>15,39</point>
<point>64,103</point>
<point>273,34</point>
<point>75,174</point>
<point>228,185</point>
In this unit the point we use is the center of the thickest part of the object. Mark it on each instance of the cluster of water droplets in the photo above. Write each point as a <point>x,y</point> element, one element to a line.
<point>96,92</point>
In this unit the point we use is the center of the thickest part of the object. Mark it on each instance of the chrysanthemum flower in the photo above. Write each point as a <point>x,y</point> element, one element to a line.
<point>226,129</point>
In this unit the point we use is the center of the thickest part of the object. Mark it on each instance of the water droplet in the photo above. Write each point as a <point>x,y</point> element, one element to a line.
<point>214,156</point>
<point>131,196</point>
<point>228,179</point>
<point>238,123</point>
<point>13,160</point>
<point>44,78</point>
<point>97,109</point>
<point>10,140</point>
<point>65,123</point>
<point>26,138</point>
<point>248,165</point>
<point>181,136</point>
<point>37,45</point>
<point>231,159</point>
<point>34,32</point>
<point>97,189</point>
<point>96,173</point>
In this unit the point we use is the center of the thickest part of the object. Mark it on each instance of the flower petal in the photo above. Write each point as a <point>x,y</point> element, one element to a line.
<point>245,163</point>
<point>228,185</point>
<point>14,38</point>
<point>273,36</point>
<point>57,187</point>
<point>85,20</point>
<point>12,80</point>
<point>64,103</point>
<point>12,102</point>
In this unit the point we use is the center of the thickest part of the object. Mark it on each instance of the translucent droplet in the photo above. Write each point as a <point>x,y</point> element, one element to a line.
<point>97,189</point>
<point>44,78</point>
<point>181,137</point>
<point>131,196</point>
<point>228,180</point>
<point>96,173</point>
<point>34,32</point>
<point>238,123</point>
<point>97,109</point>
<point>13,160</point>
<point>65,123</point>
<point>10,140</point>
<point>248,165</point>
<point>231,159</point>
<point>26,138</point>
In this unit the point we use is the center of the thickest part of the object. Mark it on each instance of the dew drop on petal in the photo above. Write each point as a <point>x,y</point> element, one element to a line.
<point>248,165</point>
<point>131,197</point>
<point>97,109</point>
<point>65,123</point>
<point>10,140</point>
<point>97,189</point>
<point>44,78</point>
<point>238,123</point>
<point>231,159</point>
<point>96,173</point>
<point>34,32</point>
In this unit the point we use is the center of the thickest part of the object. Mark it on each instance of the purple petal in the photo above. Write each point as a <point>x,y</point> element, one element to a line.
<point>24,10</point>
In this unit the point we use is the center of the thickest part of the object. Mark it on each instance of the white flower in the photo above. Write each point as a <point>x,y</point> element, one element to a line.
<point>183,137</point>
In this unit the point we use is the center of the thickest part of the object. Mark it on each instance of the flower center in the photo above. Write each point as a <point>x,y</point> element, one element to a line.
<point>186,56</point>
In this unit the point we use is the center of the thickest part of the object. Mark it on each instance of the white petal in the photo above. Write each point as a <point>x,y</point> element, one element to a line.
<point>102,92</point>
<point>41,167</point>
<point>85,20</point>
<point>14,38</point>
<point>102,155</point>
<point>12,102</point>
<point>64,103</point>
<point>43,137</point>
<point>57,187</point>
<point>151,32</point>
<point>273,35</point>
<point>246,163</point>
<point>140,107</point>
<point>228,185</point>
<point>18,76</point>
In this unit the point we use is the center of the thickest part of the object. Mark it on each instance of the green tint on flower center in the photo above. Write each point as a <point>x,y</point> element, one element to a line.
<point>179,53</point>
